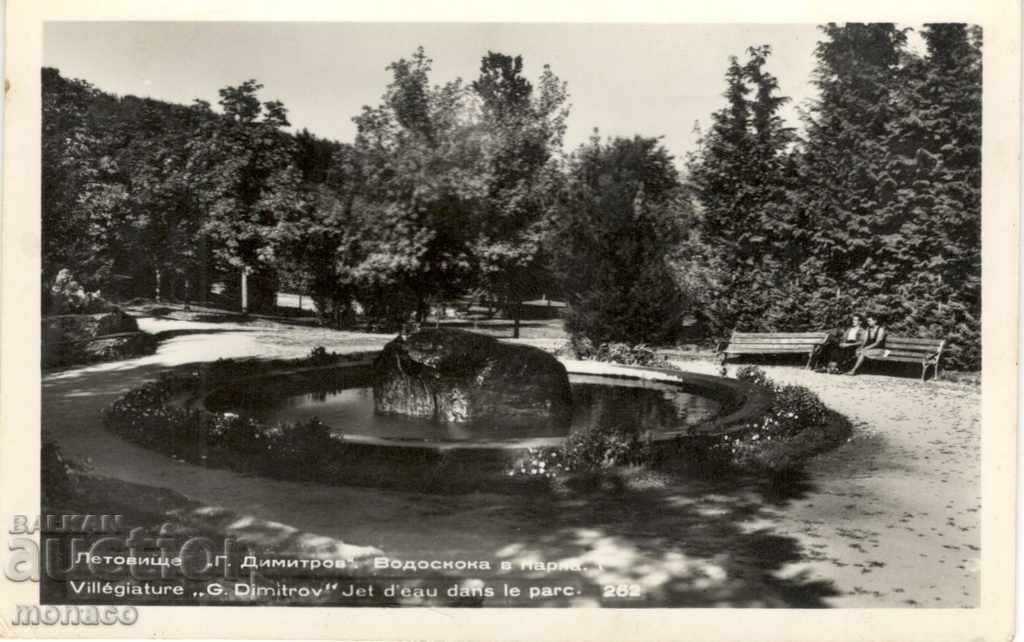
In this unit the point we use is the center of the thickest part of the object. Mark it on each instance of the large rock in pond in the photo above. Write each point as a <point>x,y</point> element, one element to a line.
<point>454,376</point>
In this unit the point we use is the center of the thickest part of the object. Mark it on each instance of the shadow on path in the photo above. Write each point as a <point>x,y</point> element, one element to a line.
<point>685,542</point>
<point>698,543</point>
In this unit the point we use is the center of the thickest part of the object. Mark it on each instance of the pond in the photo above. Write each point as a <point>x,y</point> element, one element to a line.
<point>347,407</point>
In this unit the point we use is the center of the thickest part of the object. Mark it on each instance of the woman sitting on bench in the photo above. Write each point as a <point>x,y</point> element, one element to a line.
<point>874,344</point>
<point>844,352</point>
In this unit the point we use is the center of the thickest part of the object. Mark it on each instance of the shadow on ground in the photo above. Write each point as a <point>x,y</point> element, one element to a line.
<point>681,539</point>
<point>696,543</point>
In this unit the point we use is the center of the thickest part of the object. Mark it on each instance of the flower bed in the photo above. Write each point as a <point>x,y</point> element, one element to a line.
<point>298,451</point>
<point>796,426</point>
<point>585,451</point>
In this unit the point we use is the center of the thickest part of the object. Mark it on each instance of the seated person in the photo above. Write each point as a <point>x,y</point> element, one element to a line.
<point>845,350</point>
<point>874,343</point>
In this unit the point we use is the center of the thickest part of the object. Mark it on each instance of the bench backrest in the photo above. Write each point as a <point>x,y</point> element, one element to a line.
<point>910,346</point>
<point>776,341</point>
<point>780,338</point>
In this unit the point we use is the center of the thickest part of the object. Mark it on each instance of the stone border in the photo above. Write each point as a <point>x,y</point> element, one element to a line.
<point>747,403</point>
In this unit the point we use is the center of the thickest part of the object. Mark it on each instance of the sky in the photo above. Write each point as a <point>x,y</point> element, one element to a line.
<point>625,79</point>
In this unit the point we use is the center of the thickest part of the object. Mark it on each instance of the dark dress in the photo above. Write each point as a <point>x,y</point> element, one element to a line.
<point>880,350</point>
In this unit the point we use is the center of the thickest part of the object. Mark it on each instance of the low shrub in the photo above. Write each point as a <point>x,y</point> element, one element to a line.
<point>538,462</point>
<point>796,426</point>
<point>601,447</point>
<point>297,451</point>
<point>593,449</point>
<point>68,296</point>
<point>319,356</point>
<point>753,375</point>
<point>55,473</point>
<point>579,347</point>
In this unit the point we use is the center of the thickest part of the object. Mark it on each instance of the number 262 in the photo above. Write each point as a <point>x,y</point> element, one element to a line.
<point>621,590</point>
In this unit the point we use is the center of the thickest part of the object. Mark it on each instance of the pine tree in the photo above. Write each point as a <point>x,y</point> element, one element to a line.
<point>935,155</point>
<point>846,183</point>
<point>740,176</point>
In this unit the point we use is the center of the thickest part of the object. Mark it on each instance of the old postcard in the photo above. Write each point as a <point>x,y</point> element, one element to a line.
<point>435,320</point>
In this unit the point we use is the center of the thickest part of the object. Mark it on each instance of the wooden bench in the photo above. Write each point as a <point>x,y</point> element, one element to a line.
<point>809,343</point>
<point>910,350</point>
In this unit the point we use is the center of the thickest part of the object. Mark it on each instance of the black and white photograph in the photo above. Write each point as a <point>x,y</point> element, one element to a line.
<point>513,315</point>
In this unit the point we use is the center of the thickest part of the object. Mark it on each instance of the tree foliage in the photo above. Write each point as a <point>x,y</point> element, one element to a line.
<point>615,241</point>
<point>522,140</point>
<point>463,187</point>
<point>875,208</point>
<point>741,176</point>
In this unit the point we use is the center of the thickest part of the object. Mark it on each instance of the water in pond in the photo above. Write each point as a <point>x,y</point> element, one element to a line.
<point>658,407</point>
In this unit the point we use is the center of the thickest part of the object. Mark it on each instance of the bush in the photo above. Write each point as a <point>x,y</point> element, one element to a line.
<point>319,356</point>
<point>600,447</point>
<point>796,426</point>
<point>298,451</point>
<point>579,347</point>
<point>594,449</point>
<point>754,376</point>
<point>55,474</point>
<point>68,296</point>
<point>797,409</point>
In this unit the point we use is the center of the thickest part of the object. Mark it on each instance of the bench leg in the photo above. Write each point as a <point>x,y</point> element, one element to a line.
<point>810,359</point>
<point>924,370</point>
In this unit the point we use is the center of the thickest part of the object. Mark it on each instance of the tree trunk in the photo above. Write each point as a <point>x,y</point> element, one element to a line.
<point>188,292</point>
<point>517,312</point>
<point>245,291</point>
<point>156,276</point>
<point>204,280</point>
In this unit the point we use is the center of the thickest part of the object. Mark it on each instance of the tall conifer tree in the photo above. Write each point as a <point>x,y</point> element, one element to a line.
<point>935,156</point>
<point>846,182</point>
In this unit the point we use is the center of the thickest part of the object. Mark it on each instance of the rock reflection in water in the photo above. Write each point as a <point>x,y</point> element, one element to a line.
<point>597,401</point>
<point>642,406</point>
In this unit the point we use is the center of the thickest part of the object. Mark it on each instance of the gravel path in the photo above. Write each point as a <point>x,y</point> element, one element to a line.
<point>888,519</point>
<point>895,513</point>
